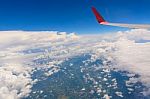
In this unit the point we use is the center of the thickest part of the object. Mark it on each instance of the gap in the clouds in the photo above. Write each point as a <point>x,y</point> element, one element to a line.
<point>79,77</point>
<point>143,41</point>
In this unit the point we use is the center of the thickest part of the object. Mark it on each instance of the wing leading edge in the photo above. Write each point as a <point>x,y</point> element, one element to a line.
<point>101,21</point>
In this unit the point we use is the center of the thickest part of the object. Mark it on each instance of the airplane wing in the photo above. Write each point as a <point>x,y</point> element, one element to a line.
<point>101,21</point>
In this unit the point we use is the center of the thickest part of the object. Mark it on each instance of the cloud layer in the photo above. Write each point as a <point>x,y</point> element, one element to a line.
<point>128,51</point>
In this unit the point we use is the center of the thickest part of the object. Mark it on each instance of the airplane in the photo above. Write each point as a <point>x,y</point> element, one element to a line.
<point>101,21</point>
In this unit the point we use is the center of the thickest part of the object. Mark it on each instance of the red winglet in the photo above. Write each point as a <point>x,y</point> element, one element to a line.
<point>98,16</point>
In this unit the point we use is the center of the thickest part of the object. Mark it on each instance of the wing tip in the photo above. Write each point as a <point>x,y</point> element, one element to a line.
<point>99,18</point>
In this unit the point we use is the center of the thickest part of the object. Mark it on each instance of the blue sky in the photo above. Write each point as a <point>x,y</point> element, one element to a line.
<point>70,15</point>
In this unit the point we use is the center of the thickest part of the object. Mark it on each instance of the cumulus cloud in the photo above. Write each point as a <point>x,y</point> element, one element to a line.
<point>129,51</point>
<point>16,66</point>
<point>134,57</point>
<point>15,81</point>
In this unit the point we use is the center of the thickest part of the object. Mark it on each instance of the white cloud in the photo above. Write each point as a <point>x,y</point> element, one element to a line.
<point>15,81</point>
<point>16,67</point>
<point>129,51</point>
<point>134,57</point>
<point>123,48</point>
